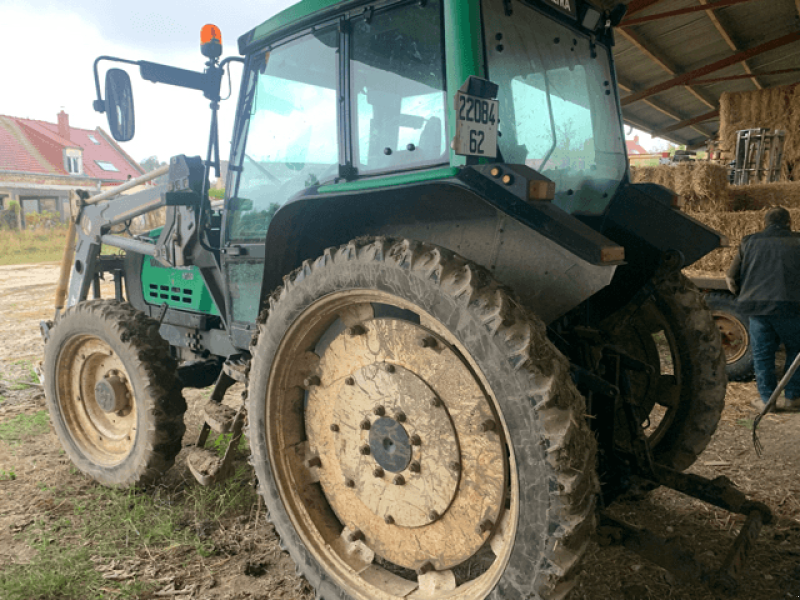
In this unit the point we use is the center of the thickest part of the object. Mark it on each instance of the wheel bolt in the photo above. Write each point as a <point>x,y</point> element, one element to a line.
<point>350,483</point>
<point>400,417</point>
<point>416,440</point>
<point>389,368</point>
<point>377,472</point>
<point>355,330</point>
<point>355,536</point>
<point>314,461</point>
<point>428,342</point>
<point>433,515</point>
<point>455,466</point>
<point>399,480</point>
<point>365,425</point>
<point>311,381</point>
<point>435,402</point>
<point>426,567</point>
<point>334,427</point>
<point>388,519</point>
<point>364,450</point>
<point>379,411</point>
<point>484,526</point>
<point>487,426</point>
<point>414,467</point>
<point>349,381</point>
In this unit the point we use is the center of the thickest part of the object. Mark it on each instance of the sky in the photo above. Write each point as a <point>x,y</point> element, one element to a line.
<point>58,42</point>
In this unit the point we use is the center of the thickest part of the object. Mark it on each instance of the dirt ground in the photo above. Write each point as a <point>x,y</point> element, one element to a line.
<point>248,563</point>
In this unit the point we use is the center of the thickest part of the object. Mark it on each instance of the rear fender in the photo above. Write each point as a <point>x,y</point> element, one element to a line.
<point>516,249</point>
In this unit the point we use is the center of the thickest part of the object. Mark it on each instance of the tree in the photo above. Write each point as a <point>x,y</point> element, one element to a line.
<point>151,163</point>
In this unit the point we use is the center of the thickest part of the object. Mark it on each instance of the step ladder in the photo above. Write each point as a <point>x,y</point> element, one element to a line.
<point>205,464</point>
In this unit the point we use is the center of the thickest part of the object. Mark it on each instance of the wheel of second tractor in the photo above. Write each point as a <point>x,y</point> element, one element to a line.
<point>415,434</point>
<point>112,394</point>
<point>734,327</point>
<point>680,402</point>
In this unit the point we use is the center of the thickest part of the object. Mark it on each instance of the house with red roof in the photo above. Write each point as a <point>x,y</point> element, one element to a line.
<point>41,162</point>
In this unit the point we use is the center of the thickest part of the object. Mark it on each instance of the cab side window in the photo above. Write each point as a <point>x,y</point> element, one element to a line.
<point>291,130</point>
<point>397,87</point>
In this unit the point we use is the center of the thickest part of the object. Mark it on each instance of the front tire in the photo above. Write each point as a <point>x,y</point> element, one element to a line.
<point>413,428</point>
<point>112,394</point>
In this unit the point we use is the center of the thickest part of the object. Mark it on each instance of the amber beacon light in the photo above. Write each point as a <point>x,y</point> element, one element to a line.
<point>211,41</point>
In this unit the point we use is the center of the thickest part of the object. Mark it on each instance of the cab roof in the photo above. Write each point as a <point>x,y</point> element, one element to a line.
<point>293,15</point>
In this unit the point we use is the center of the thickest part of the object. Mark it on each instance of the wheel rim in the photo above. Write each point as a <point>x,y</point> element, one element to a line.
<point>106,438</point>
<point>390,457</point>
<point>649,338</point>
<point>735,339</point>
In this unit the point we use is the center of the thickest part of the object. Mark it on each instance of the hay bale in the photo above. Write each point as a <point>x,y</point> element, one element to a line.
<point>734,226</point>
<point>760,196</point>
<point>702,184</point>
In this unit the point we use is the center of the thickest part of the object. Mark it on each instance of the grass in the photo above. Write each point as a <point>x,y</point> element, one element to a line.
<point>121,525</point>
<point>32,246</point>
<point>24,425</point>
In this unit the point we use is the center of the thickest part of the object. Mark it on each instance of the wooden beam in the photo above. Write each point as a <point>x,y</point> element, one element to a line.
<point>681,11</point>
<point>713,67</point>
<point>733,77</point>
<point>658,106</point>
<point>726,36</point>
<point>660,60</point>
<point>635,6</point>
<point>709,116</point>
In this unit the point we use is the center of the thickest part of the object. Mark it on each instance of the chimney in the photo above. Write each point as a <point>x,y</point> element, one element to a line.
<point>63,125</point>
<point>635,139</point>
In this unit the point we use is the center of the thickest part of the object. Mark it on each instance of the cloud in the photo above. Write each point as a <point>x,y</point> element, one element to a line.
<point>60,45</point>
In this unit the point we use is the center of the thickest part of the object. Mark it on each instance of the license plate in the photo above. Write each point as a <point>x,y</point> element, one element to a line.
<point>476,126</point>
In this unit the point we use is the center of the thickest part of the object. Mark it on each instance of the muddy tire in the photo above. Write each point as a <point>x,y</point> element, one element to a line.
<point>112,394</point>
<point>682,400</point>
<point>383,341</point>
<point>735,330</point>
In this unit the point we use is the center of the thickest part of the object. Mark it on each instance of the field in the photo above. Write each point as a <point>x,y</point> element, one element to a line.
<point>64,537</point>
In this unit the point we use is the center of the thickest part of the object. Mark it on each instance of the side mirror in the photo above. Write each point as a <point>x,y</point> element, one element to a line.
<point>119,105</point>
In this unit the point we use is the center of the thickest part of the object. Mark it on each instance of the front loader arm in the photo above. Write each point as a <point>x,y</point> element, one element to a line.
<point>95,218</point>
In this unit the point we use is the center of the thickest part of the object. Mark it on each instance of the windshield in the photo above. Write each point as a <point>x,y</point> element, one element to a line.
<point>558,112</point>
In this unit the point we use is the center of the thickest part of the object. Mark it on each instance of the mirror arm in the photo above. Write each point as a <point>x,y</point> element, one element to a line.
<point>99,105</point>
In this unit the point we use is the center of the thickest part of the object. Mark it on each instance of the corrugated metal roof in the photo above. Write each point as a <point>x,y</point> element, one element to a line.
<point>656,51</point>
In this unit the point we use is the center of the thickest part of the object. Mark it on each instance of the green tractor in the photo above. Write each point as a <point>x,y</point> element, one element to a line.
<point>454,313</point>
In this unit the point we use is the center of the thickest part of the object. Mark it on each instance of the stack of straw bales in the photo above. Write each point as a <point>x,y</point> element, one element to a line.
<point>773,108</point>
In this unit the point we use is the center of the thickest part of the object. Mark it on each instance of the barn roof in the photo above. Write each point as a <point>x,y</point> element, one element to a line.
<point>675,58</point>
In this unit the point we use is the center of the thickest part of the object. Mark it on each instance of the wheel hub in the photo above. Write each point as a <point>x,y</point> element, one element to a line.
<point>398,426</point>
<point>390,445</point>
<point>111,394</point>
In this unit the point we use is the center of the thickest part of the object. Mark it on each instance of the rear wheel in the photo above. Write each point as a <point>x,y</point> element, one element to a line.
<point>734,327</point>
<point>414,432</point>
<point>680,402</point>
<point>112,393</point>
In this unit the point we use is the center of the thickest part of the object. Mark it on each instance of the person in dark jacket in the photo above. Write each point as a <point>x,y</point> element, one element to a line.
<point>765,276</point>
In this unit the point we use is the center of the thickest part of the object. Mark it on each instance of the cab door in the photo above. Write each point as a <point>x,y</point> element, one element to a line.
<point>286,140</point>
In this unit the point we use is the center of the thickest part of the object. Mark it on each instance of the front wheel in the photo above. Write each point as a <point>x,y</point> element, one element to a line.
<point>112,394</point>
<point>414,432</point>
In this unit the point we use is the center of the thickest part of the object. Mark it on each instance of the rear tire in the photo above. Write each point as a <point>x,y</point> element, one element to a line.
<point>112,394</point>
<point>467,329</point>
<point>682,401</point>
<point>735,330</point>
